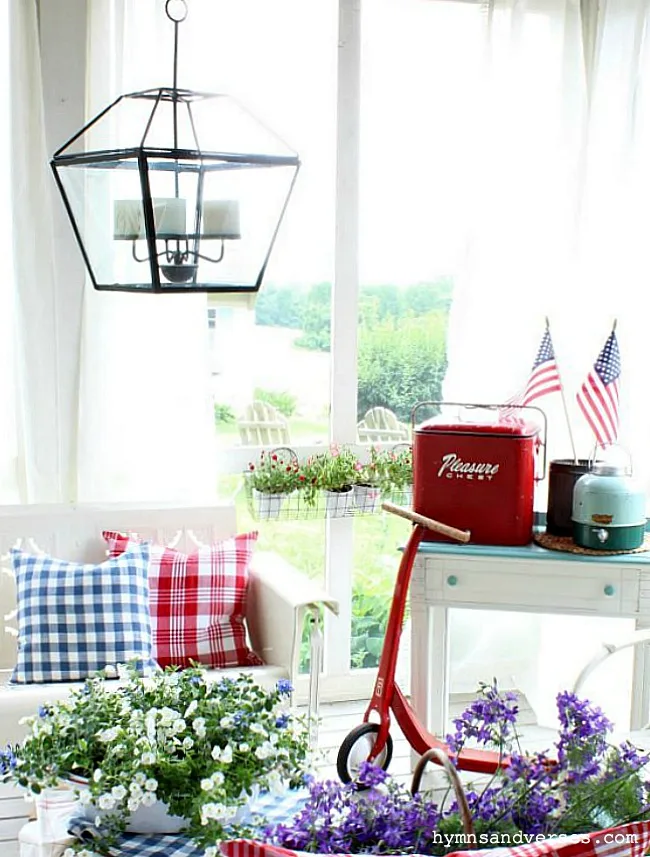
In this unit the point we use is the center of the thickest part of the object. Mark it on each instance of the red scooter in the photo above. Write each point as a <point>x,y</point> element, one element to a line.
<point>371,741</point>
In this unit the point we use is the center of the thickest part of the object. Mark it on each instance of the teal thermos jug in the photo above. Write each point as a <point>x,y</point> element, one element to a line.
<point>608,509</point>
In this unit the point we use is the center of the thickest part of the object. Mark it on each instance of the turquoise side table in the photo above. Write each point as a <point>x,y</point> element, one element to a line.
<point>525,579</point>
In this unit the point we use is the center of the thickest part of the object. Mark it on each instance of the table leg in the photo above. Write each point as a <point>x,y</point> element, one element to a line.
<point>430,666</point>
<point>640,709</point>
<point>438,676</point>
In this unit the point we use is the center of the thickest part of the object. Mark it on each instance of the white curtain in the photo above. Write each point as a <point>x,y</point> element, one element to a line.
<point>559,213</point>
<point>146,427</point>
<point>526,179</point>
<point>560,218</point>
<point>30,453</point>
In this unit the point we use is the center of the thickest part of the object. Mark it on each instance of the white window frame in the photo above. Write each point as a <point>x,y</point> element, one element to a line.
<point>338,681</point>
<point>64,66</point>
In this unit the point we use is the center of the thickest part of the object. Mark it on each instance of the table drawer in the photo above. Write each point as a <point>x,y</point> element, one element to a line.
<point>513,584</point>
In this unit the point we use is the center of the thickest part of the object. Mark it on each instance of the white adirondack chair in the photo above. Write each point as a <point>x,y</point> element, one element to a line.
<point>263,425</point>
<point>381,424</point>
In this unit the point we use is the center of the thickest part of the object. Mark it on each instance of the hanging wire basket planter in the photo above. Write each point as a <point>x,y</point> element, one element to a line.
<point>288,498</point>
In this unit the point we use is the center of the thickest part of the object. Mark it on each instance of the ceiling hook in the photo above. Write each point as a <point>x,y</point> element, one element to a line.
<point>176,10</point>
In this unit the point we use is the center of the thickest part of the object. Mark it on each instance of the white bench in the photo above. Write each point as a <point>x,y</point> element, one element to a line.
<point>279,597</point>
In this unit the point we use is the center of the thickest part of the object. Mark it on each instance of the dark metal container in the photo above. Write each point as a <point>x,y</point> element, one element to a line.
<point>562,477</point>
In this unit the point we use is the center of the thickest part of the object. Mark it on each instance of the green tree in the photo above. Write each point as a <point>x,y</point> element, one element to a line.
<point>315,320</point>
<point>421,298</point>
<point>309,307</point>
<point>282,400</point>
<point>402,362</point>
<point>280,306</point>
<point>386,299</point>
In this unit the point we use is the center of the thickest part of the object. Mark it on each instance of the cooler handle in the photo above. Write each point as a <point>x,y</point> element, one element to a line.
<point>593,460</point>
<point>541,443</point>
<point>492,407</point>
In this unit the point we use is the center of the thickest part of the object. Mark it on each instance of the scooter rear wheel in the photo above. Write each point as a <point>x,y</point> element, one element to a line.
<point>355,749</point>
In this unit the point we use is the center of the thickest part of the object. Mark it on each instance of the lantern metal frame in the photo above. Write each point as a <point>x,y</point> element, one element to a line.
<point>181,261</point>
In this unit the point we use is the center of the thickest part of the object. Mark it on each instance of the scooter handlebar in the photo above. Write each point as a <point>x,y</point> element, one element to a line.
<point>430,523</point>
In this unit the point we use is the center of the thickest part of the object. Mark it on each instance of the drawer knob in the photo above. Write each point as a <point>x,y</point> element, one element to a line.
<point>452,580</point>
<point>609,589</point>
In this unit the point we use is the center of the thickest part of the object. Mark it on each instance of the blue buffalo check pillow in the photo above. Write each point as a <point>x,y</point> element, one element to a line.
<point>75,618</point>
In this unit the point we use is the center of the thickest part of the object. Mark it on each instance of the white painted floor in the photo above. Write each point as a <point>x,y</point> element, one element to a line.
<point>337,719</point>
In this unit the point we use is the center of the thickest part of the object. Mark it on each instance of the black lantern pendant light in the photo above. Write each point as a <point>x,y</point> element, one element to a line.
<point>164,195</point>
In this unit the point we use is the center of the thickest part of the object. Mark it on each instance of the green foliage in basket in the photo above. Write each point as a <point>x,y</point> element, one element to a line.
<point>336,469</point>
<point>397,464</point>
<point>275,472</point>
<point>200,747</point>
<point>309,484</point>
<point>374,472</point>
<point>333,470</point>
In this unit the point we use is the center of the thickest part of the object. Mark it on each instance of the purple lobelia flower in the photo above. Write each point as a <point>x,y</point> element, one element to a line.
<point>489,720</point>
<point>583,785</point>
<point>625,759</point>
<point>583,736</point>
<point>371,775</point>
<point>8,761</point>
<point>341,819</point>
<point>535,811</point>
<point>487,805</point>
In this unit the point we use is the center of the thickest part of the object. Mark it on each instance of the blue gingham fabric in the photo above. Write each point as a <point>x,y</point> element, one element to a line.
<point>76,618</point>
<point>265,809</point>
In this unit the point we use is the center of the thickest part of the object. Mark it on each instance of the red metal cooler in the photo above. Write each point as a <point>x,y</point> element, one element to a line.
<point>479,476</point>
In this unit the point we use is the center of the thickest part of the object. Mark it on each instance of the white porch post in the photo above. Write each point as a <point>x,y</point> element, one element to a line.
<point>338,573</point>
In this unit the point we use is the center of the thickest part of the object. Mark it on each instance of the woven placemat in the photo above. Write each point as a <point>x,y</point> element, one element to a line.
<point>566,544</point>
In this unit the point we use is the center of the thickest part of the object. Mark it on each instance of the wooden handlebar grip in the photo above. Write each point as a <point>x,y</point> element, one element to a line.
<point>436,526</point>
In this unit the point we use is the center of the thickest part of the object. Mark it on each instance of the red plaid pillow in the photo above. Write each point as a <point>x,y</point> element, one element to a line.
<point>197,601</point>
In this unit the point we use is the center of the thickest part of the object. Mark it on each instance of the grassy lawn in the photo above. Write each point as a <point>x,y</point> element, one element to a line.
<point>302,543</point>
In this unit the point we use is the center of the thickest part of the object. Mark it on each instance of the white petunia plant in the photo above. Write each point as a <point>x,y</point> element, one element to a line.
<point>201,748</point>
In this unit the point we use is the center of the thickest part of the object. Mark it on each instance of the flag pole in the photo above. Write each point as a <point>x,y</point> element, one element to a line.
<point>564,402</point>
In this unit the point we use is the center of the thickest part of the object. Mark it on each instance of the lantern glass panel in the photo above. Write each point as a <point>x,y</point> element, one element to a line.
<point>91,191</point>
<point>260,194</point>
<point>213,220</point>
<point>210,123</point>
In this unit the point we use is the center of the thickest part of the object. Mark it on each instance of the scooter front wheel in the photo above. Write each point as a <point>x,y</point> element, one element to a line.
<point>355,749</point>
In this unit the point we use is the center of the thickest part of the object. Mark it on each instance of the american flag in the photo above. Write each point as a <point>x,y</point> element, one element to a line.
<point>544,378</point>
<point>598,396</point>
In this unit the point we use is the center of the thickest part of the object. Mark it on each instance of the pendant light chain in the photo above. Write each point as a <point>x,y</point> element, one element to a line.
<point>181,7</point>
